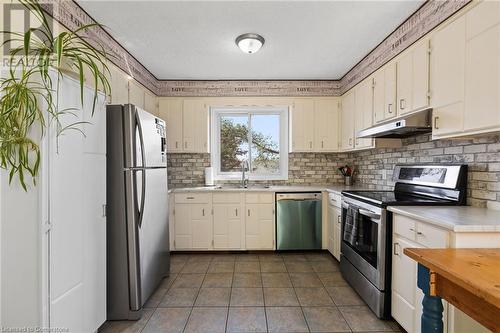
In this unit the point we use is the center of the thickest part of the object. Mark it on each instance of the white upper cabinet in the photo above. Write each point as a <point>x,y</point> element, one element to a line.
<point>150,103</point>
<point>326,124</point>
<point>195,126</point>
<point>347,120</point>
<point>119,86</point>
<point>482,67</point>
<point>363,115</point>
<point>315,125</point>
<point>384,93</point>
<point>136,94</point>
<point>302,125</point>
<point>170,110</point>
<point>413,78</point>
<point>447,78</point>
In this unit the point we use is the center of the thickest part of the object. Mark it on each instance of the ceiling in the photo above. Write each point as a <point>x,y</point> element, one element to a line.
<point>194,40</point>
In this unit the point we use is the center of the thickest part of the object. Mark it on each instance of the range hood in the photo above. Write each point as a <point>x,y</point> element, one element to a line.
<point>401,127</point>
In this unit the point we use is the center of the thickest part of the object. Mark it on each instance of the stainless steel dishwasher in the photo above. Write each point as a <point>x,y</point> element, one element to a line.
<point>298,221</point>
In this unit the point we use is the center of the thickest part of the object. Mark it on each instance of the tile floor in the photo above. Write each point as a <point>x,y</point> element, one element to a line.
<point>259,292</point>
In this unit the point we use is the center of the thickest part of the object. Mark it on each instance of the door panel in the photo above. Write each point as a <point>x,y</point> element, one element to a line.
<point>153,232</point>
<point>302,125</point>
<point>348,109</point>
<point>195,125</point>
<point>170,110</point>
<point>227,226</point>
<point>379,96</point>
<point>390,109</point>
<point>183,227</point>
<point>201,222</point>
<point>326,123</point>
<point>404,82</point>
<point>420,77</point>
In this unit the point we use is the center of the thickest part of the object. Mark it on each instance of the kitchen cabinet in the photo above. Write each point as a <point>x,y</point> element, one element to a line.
<point>228,221</point>
<point>384,93</point>
<point>363,115</point>
<point>347,120</point>
<point>413,78</point>
<point>135,94</point>
<point>193,221</point>
<point>315,125</point>
<point>447,78</point>
<point>119,86</point>
<point>150,103</point>
<point>259,221</point>
<point>482,68</point>
<point>302,125</point>
<point>195,126</point>
<point>334,225</point>
<point>326,124</point>
<point>406,297</point>
<point>170,110</point>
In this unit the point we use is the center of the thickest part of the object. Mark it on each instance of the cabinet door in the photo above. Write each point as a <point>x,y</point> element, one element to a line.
<point>347,116</point>
<point>326,124</point>
<point>482,74</point>
<point>183,237</point>
<point>363,111</point>
<point>390,80</point>
<point>227,226</point>
<point>337,234</point>
<point>195,126</point>
<point>259,226</point>
<point>136,94</point>
<point>332,217</point>
<point>447,76</point>
<point>404,284</point>
<point>302,125</point>
<point>404,82</point>
<point>150,103</point>
<point>201,222</point>
<point>170,110</point>
<point>420,76</point>
<point>119,86</point>
<point>379,96</point>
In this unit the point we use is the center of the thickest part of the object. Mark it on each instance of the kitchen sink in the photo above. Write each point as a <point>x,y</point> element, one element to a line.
<point>237,186</point>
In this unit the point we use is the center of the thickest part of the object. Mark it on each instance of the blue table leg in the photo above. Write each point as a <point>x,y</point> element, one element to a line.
<point>432,307</point>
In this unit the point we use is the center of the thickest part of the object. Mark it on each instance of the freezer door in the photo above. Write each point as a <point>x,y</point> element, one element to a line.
<point>153,230</point>
<point>150,140</point>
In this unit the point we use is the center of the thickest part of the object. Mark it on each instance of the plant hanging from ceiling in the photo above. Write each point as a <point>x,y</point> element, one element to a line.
<point>29,89</point>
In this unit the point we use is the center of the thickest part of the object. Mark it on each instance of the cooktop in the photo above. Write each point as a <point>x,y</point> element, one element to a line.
<point>394,198</point>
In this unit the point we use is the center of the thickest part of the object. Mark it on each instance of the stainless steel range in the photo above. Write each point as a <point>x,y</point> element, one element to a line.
<point>365,260</point>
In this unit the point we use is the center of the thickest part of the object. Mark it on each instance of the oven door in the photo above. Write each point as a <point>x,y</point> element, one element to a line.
<point>368,254</point>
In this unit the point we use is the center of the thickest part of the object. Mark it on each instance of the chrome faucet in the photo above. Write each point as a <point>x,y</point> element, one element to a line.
<point>244,179</point>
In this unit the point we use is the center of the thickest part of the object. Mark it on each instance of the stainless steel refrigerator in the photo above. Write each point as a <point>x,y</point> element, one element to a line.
<point>137,213</point>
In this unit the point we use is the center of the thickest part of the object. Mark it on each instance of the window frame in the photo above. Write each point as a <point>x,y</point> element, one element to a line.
<point>215,116</point>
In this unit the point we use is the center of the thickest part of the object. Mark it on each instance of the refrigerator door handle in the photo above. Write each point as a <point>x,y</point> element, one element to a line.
<point>143,158</point>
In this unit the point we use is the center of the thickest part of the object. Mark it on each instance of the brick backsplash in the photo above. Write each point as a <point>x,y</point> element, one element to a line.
<point>374,167</point>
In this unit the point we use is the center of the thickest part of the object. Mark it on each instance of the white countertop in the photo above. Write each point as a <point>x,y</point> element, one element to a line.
<point>454,218</point>
<point>335,188</point>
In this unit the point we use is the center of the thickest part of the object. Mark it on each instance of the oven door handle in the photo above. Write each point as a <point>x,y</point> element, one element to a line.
<point>371,215</point>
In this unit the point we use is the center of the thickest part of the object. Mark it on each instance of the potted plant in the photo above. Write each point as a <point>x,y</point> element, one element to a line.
<point>29,93</point>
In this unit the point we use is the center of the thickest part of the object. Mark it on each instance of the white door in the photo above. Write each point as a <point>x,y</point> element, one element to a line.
<point>302,125</point>
<point>347,120</point>
<point>379,96</point>
<point>195,126</point>
<point>326,124</point>
<point>183,237</point>
<point>201,222</point>
<point>227,226</point>
<point>259,226</point>
<point>332,216</point>
<point>390,81</point>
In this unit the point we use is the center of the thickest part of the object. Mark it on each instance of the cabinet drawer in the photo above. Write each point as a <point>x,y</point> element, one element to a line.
<point>404,226</point>
<point>430,236</point>
<point>259,197</point>
<point>193,197</point>
<point>334,199</point>
<point>226,198</point>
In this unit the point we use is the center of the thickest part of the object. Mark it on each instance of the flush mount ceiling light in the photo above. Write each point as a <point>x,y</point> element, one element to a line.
<point>250,43</point>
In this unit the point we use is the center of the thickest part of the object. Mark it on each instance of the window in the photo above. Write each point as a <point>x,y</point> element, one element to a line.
<point>258,136</point>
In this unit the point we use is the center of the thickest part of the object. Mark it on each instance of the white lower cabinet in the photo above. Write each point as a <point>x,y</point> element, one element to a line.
<point>334,225</point>
<point>223,221</point>
<point>406,297</point>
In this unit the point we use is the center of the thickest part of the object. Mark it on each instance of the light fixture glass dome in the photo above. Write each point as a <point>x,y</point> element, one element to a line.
<point>250,43</point>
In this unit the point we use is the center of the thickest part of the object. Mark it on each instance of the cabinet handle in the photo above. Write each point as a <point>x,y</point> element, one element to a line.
<point>176,144</point>
<point>249,212</point>
<point>103,210</point>
<point>189,198</point>
<point>236,211</point>
<point>402,103</point>
<point>357,142</point>
<point>203,212</point>
<point>389,108</point>
<point>310,144</point>
<point>322,144</point>
<point>436,118</point>
<point>185,144</point>
<point>350,141</point>
<point>395,251</point>
<point>339,219</point>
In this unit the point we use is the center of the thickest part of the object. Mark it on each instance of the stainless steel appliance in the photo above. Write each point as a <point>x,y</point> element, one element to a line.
<point>401,127</point>
<point>365,260</point>
<point>298,221</point>
<point>137,214</point>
